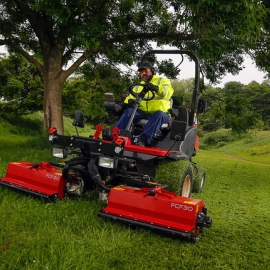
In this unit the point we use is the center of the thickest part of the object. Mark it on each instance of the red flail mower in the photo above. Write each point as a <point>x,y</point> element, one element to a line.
<point>148,186</point>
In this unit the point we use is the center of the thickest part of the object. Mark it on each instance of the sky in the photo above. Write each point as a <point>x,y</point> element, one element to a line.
<point>248,74</point>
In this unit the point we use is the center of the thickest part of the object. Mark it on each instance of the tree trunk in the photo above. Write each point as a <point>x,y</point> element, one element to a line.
<point>52,99</point>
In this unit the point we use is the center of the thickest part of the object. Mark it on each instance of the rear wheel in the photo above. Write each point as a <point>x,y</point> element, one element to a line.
<point>177,174</point>
<point>199,181</point>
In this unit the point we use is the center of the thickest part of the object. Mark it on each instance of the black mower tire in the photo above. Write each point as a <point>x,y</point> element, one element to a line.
<point>177,174</point>
<point>199,181</point>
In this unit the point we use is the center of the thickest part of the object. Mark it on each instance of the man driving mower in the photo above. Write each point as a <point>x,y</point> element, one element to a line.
<point>156,109</point>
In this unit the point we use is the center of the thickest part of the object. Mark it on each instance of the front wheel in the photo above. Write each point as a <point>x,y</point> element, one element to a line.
<point>177,174</point>
<point>186,185</point>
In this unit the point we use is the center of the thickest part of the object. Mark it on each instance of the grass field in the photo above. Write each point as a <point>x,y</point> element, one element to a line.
<point>36,234</point>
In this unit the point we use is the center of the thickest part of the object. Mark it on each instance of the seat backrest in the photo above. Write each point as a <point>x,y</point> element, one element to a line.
<point>179,124</point>
<point>143,122</point>
<point>182,114</point>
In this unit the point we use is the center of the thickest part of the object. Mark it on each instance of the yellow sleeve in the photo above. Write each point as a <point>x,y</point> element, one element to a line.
<point>128,97</point>
<point>165,88</point>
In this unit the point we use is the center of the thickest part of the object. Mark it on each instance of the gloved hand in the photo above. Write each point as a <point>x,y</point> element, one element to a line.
<point>151,87</point>
<point>131,103</point>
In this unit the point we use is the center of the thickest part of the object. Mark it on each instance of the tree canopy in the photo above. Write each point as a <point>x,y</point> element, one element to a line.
<point>261,51</point>
<point>57,36</point>
<point>236,106</point>
<point>21,85</point>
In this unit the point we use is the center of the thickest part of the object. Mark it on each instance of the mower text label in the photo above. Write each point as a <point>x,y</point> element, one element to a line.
<point>51,176</point>
<point>182,207</point>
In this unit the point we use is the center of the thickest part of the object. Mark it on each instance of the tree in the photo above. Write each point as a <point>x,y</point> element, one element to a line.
<point>240,115</point>
<point>261,51</point>
<point>57,36</point>
<point>259,95</point>
<point>183,90</point>
<point>237,106</point>
<point>214,117</point>
<point>86,90</point>
<point>21,85</point>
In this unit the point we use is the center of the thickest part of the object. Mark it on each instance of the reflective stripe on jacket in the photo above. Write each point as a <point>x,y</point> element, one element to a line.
<point>162,100</point>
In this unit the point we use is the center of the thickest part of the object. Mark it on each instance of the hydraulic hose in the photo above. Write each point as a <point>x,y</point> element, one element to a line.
<point>93,171</point>
<point>73,162</point>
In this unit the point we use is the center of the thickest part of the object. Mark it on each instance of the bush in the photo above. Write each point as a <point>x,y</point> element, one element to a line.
<point>220,144</point>
<point>219,137</point>
<point>202,146</point>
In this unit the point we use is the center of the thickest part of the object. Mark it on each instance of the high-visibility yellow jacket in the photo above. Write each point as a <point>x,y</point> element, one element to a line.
<point>162,100</point>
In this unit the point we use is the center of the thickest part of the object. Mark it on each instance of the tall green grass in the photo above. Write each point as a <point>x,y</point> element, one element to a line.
<point>36,234</point>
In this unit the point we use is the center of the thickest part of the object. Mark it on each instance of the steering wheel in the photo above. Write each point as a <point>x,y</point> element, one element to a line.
<point>142,93</point>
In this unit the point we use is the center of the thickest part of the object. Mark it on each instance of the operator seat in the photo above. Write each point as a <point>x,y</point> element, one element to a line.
<point>138,126</point>
<point>178,115</point>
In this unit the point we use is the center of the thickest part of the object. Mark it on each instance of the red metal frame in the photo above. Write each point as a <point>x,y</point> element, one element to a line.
<point>134,148</point>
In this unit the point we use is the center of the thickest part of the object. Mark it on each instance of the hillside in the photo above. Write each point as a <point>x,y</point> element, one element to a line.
<point>255,147</point>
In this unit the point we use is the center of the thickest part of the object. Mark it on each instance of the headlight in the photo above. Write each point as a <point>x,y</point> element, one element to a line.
<point>59,152</point>
<point>108,162</point>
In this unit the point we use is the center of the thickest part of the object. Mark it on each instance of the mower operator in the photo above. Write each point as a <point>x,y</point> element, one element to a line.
<point>155,110</point>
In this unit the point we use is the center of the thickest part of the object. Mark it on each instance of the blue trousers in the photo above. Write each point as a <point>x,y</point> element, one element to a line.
<point>156,120</point>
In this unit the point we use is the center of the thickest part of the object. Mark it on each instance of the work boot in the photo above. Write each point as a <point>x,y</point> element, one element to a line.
<point>140,141</point>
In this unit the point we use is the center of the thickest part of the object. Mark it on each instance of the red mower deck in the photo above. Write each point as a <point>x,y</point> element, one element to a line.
<point>40,179</point>
<point>156,208</point>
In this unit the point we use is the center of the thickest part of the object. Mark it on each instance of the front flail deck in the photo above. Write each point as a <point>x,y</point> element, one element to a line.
<point>40,179</point>
<point>157,209</point>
